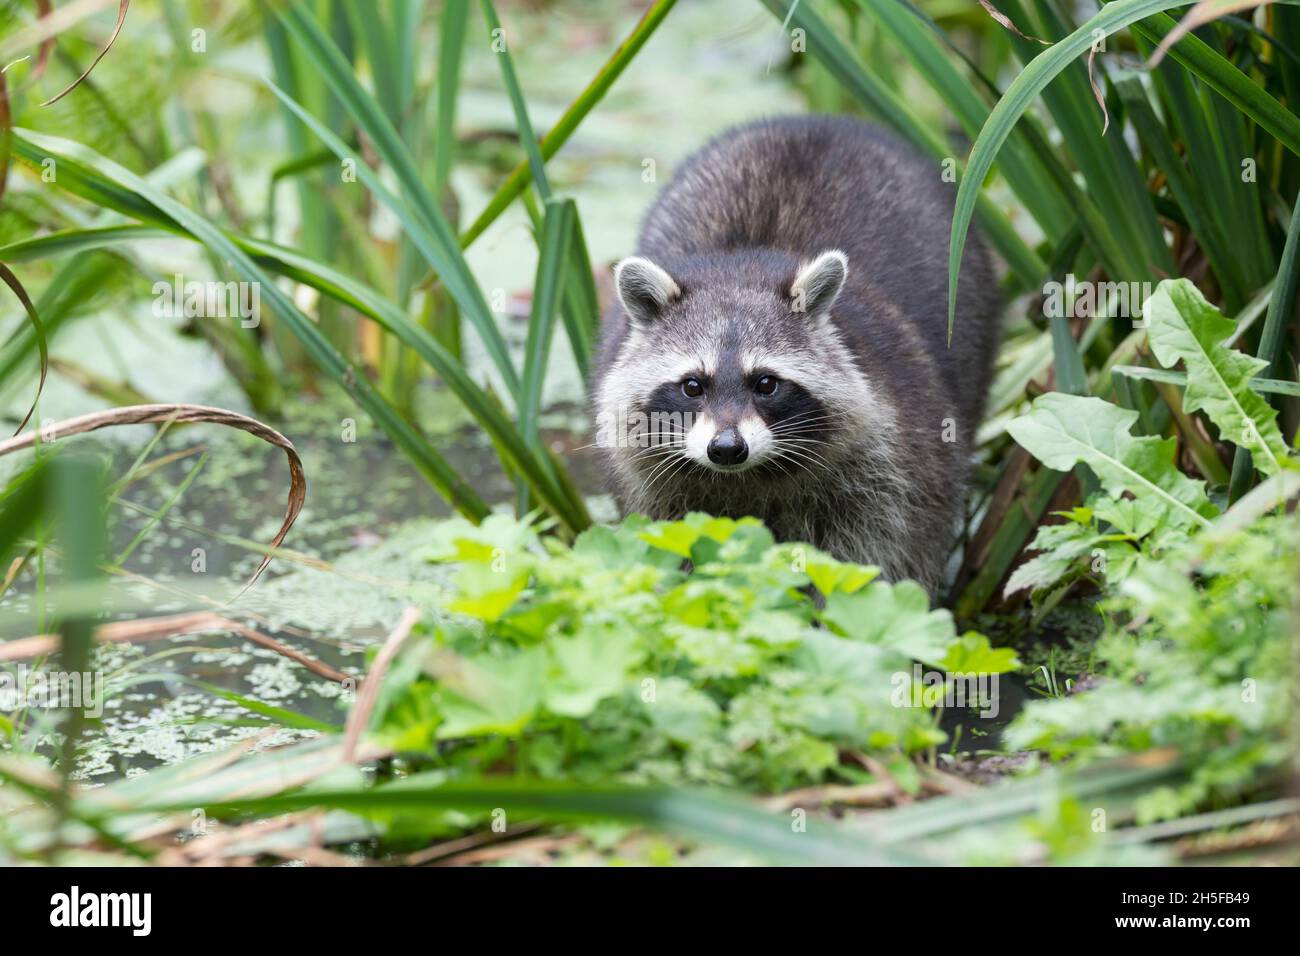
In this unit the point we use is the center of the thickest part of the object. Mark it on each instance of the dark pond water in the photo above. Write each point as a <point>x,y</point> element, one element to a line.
<point>360,534</point>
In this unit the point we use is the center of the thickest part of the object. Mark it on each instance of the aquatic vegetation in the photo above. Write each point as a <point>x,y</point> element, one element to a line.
<point>362,236</point>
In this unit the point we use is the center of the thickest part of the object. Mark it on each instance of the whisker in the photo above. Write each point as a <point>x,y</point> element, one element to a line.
<point>664,468</point>
<point>683,462</point>
<point>802,450</point>
<point>776,460</point>
<point>801,430</point>
<point>804,420</point>
<point>798,465</point>
<point>808,458</point>
<point>801,441</point>
<point>658,450</point>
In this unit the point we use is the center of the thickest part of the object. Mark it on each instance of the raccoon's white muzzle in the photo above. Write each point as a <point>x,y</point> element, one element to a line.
<point>729,449</point>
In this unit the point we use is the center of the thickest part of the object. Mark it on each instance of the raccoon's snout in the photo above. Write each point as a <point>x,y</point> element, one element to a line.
<point>728,448</point>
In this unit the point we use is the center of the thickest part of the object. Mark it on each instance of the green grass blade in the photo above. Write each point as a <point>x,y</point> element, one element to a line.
<point>1136,247</point>
<point>68,291</point>
<point>556,240</point>
<point>1282,303</point>
<point>704,816</point>
<point>78,499</point>
<point>278,715</point>
<point>1215,139</point>
<point>318,226</point>
<point>1034,187</point>
<point>581,306</point>
<point>161,513</point>
<point>891,109</point>
<point>1068,363</point>
<point>21,500</point>
<point>578,301</point>
<point>459,283</point>
<point>559,134</point>
<point>1272,341</point>
<point>989,806</point>
<point>1022,91</point>
<point>1237,88</point>
<point>536,164</point>
<point>532,464</point>
<point>383,52</point>
<point>79,240</point>
<point>1193,201</point>
<point>424,221</point>
<point>452,28</point>
<point>140,193</point>
<point>1049,173</point>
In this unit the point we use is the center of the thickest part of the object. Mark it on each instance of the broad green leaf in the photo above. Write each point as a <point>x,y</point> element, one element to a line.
<point>1184,327</point>
<point>1059,547</point>
<point>830,576</point>
<point>680,537</point>
<point>894,616</point>
<point>972,654</point>
<point>487,593</point>
<point>1062,431</point>
<point>676,538</point>
<point>620,547</point>
<point>587,668</point>
<point>490,695</point>
<point>497,539</point>
<point>681,713</point>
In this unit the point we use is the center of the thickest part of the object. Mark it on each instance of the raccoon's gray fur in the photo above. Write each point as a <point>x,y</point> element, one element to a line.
<point>808,256</point>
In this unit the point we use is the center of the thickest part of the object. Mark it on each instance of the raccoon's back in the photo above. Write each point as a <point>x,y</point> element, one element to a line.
<point>806,184</point>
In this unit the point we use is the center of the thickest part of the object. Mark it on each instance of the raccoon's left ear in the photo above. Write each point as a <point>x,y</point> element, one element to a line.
<point>643,288</point>
<point>816,286</point>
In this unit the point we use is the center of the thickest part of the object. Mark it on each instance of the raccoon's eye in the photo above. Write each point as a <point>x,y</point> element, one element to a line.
<point>766,385</point>
<point>692,388</point>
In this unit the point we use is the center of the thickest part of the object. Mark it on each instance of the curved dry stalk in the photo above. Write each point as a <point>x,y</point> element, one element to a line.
<point>6,119</point>
<point>50,24</point>
<point>1096,91</point>
<point>359,716</point>
<point>121,18</point>
<point>156,628</point>
<point>11,280</point>
<point>1007,23</point>
<point>181,414</point>
<point>43,10</point>
<point>1198,16</point>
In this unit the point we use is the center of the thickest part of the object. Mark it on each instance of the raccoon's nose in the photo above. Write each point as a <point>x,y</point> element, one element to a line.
<point>728,448</point>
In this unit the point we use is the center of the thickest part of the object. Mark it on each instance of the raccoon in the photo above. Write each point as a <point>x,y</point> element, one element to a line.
<point>779,346</point>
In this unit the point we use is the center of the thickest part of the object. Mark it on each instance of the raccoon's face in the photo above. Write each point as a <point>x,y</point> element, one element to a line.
<point>730,371</point>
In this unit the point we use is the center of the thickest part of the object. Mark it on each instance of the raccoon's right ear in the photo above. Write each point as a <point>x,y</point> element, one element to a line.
<point>644,289</point>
